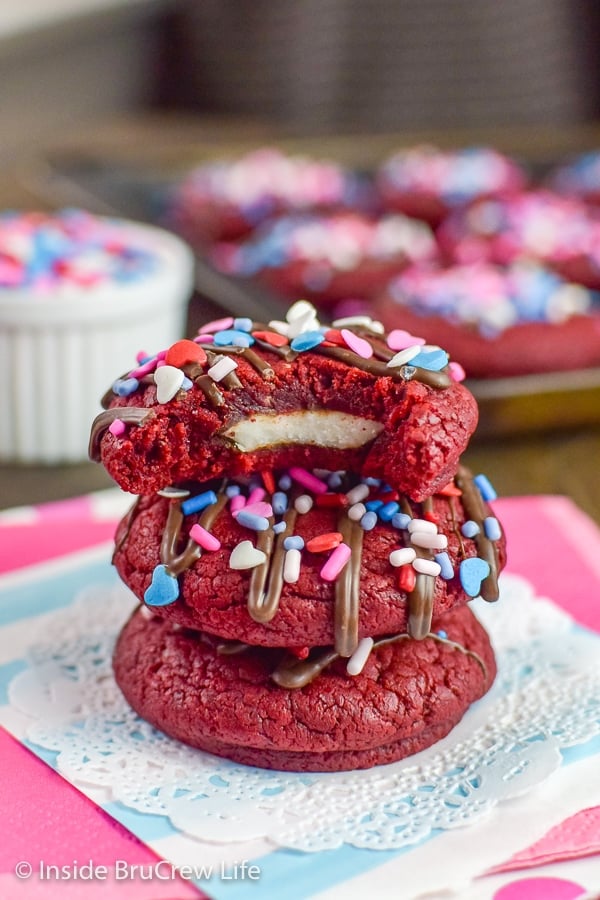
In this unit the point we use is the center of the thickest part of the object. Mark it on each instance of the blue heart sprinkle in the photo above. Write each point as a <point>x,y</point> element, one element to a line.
<point>434,360</point>
<point>163,590</point>
<point>307,340</point>
<point>232,338</point>
<point>472,573</point>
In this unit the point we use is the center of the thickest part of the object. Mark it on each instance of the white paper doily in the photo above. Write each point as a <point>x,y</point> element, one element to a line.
<point>546,698</point>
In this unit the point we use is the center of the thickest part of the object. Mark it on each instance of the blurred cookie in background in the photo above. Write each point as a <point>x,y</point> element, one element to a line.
<point>498,321</point>
<point>429,183</point>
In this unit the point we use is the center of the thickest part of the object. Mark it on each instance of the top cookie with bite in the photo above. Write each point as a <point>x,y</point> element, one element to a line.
<point>246,396</point>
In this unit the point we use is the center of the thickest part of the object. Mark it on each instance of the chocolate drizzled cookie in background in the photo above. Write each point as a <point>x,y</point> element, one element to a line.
<point>304,544</point>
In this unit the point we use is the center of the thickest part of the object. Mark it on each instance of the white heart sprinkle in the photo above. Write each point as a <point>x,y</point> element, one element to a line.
<point>246,556</point>
<point>300,308</point>
<point>404,356</point>
<point>168,380</point>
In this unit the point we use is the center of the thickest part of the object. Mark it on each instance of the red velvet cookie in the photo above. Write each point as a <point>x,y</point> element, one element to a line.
<point>406,695</point>
<point>498,321</point>
<point>562,232</point>
<point>328,257</point>
<point>245,397</point>
<point>428,183</point>
<point>227,199</point>
<point>360,562</point>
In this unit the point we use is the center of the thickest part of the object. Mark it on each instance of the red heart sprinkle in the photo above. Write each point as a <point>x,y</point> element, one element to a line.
<point>334,335</point>
<point>183,352</point>
<point>271,337</point>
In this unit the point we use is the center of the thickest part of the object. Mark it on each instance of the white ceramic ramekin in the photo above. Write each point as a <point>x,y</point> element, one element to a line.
<point>61,347</point>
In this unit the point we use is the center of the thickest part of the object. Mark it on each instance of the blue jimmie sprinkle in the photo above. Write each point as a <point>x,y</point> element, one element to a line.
<point>307,340</point>
<point>123,387</point>
<point>387,512</point>
<point>285,482</point>
<point>279,502</point>
<point>253,521</point>
<point>401,520</point>
<point>470,529</point>
<point>447,569</point>
<point>485,487</point>
<point>442,634</point>
<point>199,502</point>
<point>368,521</point>
<point>232,490</point>
<point>334,481</point>
<point>491,526</point>
<point>242,324</point>
<point>278,527</point>
<point>294,542</point>
<point>373,505</point>
<point>187,383</point>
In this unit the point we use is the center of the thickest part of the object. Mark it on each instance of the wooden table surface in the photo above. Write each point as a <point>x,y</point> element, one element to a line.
<point>563,460</point>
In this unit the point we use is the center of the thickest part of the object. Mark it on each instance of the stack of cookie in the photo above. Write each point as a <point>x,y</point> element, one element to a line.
<point>304,543</point>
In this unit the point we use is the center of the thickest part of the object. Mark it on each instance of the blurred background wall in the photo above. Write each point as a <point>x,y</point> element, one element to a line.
<point>312,66</point>
<point>322,65</point>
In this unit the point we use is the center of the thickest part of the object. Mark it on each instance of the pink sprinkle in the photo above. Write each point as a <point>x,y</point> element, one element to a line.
<point>117,427</point>
<point>204,538</point>
<point>204,339</point>
<point>336,562</point>
<point>256,495</point>
<point>358,344</point>
<point>238,502</point>
<point>308,480</point>
<point>457,373</point>
<point>400,340</point>
<point>259,508</point>
<point>216,325</point>
<point>140,355</point>
<point>161,354</point>
<point>144,369</point>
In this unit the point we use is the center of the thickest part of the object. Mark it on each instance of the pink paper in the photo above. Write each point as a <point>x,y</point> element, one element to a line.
<point>557,548</point>
<point>46,819</point>
<point>40,810</point>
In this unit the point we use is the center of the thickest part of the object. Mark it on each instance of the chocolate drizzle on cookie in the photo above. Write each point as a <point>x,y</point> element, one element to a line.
<point>486,548</point>
<point>177,563</point>
<point>266,580</point>
<point>347,590</point>
<point>263,604</point>
<point>294,673</point>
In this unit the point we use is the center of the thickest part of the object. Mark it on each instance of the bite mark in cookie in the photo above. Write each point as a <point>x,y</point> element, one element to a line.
<point>326,397</point>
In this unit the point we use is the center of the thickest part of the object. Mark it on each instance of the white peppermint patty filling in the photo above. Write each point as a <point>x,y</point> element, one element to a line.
<point>338,430</point>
